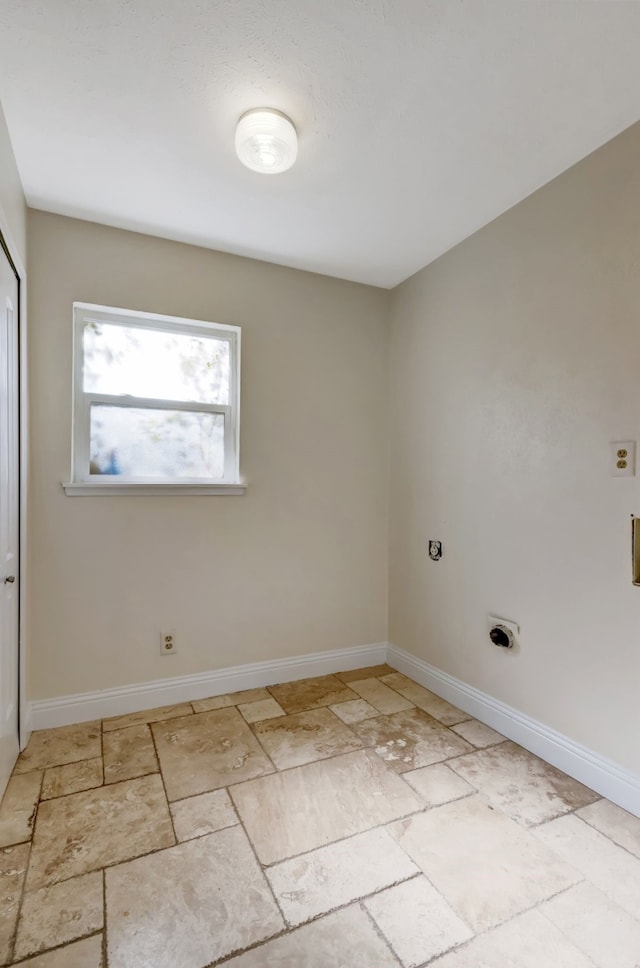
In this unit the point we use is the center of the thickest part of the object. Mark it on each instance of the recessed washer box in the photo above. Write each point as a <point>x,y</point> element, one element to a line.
<point>507,631</point>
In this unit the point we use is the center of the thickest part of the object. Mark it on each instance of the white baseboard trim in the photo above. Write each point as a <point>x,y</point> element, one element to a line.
<point>79,708</point>
<point>597,772</point>
<point>601,774</point>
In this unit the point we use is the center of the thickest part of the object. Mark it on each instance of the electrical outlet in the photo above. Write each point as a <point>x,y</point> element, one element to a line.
<point>167,643</point>
<point>622,460</point>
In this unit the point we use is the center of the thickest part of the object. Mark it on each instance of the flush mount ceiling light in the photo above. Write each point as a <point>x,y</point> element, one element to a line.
<point>266,141</point>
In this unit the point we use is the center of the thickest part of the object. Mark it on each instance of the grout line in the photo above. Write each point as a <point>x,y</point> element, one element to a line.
<point>340,840</point>
<point>23,890</point>
<point>561,929</point>
<point>105,948</point>
<point>433,884</point>
<point>225,959</point>
<point>495,927</point>
<point>31,819</point>
<point>359,899</point>
<point>473,751</point>
<point>104,867</point>
<point>574,813</point>
<point>99,786</point>
<point>291,929</point>
<point>262,747</point>
<point>289,769</point>
<point>164,787</point>
<point>378,930</point>
<point>55,766</point>
<point>286,927</point>
<point>152,722</point>
<point>104,773</point>
<point>187,840</point>
<point>144,722</point>
<point>362,898</point>
<point>43,953</point>
<point>435,806</point>
<point>262,870</point>
<point>332,756</point>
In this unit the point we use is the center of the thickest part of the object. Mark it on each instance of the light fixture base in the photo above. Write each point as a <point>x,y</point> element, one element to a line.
<point>266,141</point>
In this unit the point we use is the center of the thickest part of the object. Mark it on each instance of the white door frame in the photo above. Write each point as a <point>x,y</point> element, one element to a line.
<point>24,728</point>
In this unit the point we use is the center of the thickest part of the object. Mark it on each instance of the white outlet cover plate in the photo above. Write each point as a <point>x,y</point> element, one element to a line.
<point>621,445</point>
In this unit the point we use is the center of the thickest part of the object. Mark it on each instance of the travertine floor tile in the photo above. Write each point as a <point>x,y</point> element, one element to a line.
<point>439,708</point>
<point>66,744</point>
<point>486,866</point>
<point>354,711</point>
<point>438,784</point>
<point>128,753</point>
<point>13,867</point>
<point>384,699</point>
<point>597,926</point>
<point>529,941</point>
<point>335,875</point>
<point>615,823</point>
<point>410,739</point>
<point>72,778</point>
<point>346,939</point>
<point>207,751</point>
<point>147,716</point>
<point>81,954</point>
<point>54,915</point>
<point>231,699</point>
<point>88,830</point>
<point>203,814</point>
<point>313,805</point>
<point>381,870</point>
<point>396,680</point>
<point>609,867</point>
<point>18,809</point>
<point>256,712</point>
<point>296,697</point>
<point>314,735</point>
<point>189,905</point>
<point>416,921</point>
<point>478,734</point>
<point>368,672</point>
<point>524,787</point>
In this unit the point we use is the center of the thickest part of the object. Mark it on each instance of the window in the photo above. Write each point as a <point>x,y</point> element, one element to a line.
<point>155,404</point>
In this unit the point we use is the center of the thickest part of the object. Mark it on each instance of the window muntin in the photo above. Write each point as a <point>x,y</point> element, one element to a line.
<point>156,399</point>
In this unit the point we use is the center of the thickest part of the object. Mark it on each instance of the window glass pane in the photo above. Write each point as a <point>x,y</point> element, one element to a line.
<point>151,363</point>
<point>137,442</point>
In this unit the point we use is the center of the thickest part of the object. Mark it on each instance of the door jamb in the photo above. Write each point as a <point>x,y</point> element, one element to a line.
<point>8,243</point>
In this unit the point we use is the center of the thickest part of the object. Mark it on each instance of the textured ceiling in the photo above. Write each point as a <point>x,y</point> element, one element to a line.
<point>418,121</point>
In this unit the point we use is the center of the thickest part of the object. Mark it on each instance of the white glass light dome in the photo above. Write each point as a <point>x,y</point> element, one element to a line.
<point>266,141</point>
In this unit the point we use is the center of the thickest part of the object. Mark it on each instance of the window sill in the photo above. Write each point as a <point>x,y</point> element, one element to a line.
<point>121,489</point>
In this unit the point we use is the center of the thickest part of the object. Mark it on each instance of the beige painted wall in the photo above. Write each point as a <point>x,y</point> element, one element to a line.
<point>13,211</point>
<point>299,564</point>
<point>515,360</point>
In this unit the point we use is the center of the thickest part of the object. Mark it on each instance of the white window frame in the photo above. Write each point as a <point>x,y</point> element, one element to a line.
<point>84,483</point>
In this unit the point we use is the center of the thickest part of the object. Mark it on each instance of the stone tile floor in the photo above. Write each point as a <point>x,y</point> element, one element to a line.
<point>347,821</point>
